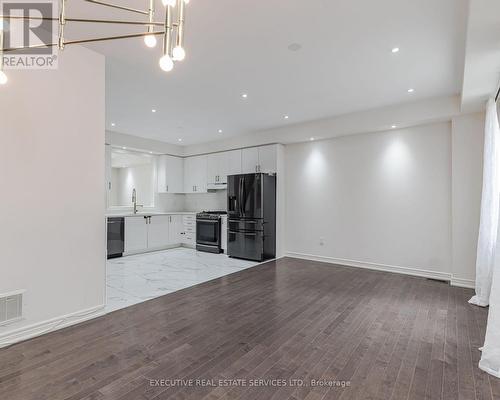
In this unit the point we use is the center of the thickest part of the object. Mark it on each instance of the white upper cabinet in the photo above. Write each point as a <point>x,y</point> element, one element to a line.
<point>268,158</point>
<point>233,162</point>
<point>259,159</point>
<point>216,167</point>
<point>249,160</point>
<point>170,172</point>
<point>220,165</point>
<point>195,174</point>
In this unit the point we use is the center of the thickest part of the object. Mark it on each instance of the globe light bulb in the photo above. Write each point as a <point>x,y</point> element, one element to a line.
<point>178,53</point>
<point>166,63</point>
<point>170,3</point>
<point>3,78</point>
<point>150,40</point>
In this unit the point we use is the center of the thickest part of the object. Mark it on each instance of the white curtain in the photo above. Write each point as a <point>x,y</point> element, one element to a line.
<point>490,356</point>
<point>488,249</point>
<point>488,227</point>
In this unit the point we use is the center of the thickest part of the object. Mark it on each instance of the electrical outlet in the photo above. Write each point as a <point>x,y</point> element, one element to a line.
<point>321,241</point>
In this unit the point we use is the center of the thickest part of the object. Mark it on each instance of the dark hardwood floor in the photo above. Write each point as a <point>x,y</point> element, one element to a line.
<point>382,336</point>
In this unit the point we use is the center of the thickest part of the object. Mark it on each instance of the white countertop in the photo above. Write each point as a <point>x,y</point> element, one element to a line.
<point>144,213</point>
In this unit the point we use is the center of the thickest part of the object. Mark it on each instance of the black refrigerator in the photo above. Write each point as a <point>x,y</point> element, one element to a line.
<point>251,205</point>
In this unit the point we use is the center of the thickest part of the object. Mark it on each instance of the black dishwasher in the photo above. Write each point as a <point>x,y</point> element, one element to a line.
<point>116,237</point>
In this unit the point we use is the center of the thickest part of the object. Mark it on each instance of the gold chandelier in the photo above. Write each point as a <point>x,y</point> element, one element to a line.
<point>172,30</point>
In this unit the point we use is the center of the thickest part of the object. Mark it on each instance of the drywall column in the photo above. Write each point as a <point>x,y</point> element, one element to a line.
<point>467,170</point>
<point>280,201</point>
<point>52,226</point>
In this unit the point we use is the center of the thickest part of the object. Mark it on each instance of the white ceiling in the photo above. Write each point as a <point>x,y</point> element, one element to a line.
<point>236,46</point>
<point>482,60</point>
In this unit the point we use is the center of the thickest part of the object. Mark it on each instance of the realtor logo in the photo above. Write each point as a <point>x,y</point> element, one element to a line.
<point>28,34</point>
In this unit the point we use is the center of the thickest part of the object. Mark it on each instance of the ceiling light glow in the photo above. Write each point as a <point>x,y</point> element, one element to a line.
<point>166,63</point>
<point>220,130</point>
<point>178,53</point>
<point>411,90</point>
<point>395,50</point>
<point>150,41</point>
<point>244,95</point>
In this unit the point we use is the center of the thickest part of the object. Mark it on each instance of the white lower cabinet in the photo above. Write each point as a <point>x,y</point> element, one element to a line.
<point>158,231</point>
<point>155,232</point>
<point>189,222</point>
<point>176,229</point>
<point>136,234</point>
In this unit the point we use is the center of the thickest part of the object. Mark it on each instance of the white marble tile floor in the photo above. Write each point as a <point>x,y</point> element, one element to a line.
<point>137,278</point>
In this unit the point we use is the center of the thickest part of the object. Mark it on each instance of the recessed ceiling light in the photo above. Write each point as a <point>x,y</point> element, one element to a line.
<point>286,117</point>
<point>150,152</point>
<point>113,124</point>
<point>411,90</point>
<point>393,126</point>
<point>244,95</point>
<point>180,140</point>
<point>220,130</point>
<point>294,47</point>
<point>395,50</point>
<point>124,148</point>
<point>153,110</point>
<point>311,139</point>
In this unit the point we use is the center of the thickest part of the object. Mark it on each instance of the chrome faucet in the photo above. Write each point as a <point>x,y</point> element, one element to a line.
<point>134,201</point>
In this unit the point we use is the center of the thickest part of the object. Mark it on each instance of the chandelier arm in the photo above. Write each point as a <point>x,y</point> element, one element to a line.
<point>89,20</point>
<point>79,41</point>
<point>102,3</point>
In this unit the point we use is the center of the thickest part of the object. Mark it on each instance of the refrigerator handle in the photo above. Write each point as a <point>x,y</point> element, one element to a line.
<point>240,196</point>
<point>243,197</point>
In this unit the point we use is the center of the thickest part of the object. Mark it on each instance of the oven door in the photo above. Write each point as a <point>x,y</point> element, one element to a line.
<point>208,232</point>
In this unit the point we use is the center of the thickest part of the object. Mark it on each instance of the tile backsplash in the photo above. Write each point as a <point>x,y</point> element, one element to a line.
<point>213,201</point>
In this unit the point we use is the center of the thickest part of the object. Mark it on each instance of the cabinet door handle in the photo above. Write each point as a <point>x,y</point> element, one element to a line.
<point>167,188</point>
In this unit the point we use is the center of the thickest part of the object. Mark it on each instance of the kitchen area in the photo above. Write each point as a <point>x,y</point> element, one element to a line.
<point>174,222</point>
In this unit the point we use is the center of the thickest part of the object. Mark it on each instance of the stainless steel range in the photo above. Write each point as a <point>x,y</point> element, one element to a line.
<point>208,231</point>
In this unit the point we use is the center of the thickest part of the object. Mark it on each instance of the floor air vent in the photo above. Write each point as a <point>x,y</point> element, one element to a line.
<point>11,307</point>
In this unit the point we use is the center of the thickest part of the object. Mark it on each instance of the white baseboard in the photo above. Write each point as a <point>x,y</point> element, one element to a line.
<point>465,283</point>
<point>374,266</point>
<point>18,335</point>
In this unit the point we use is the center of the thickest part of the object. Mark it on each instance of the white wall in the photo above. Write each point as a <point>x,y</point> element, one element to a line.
<point>52,236</point>
<point>467,174</point>
<point>382,199</point>
<point>125,180</point>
